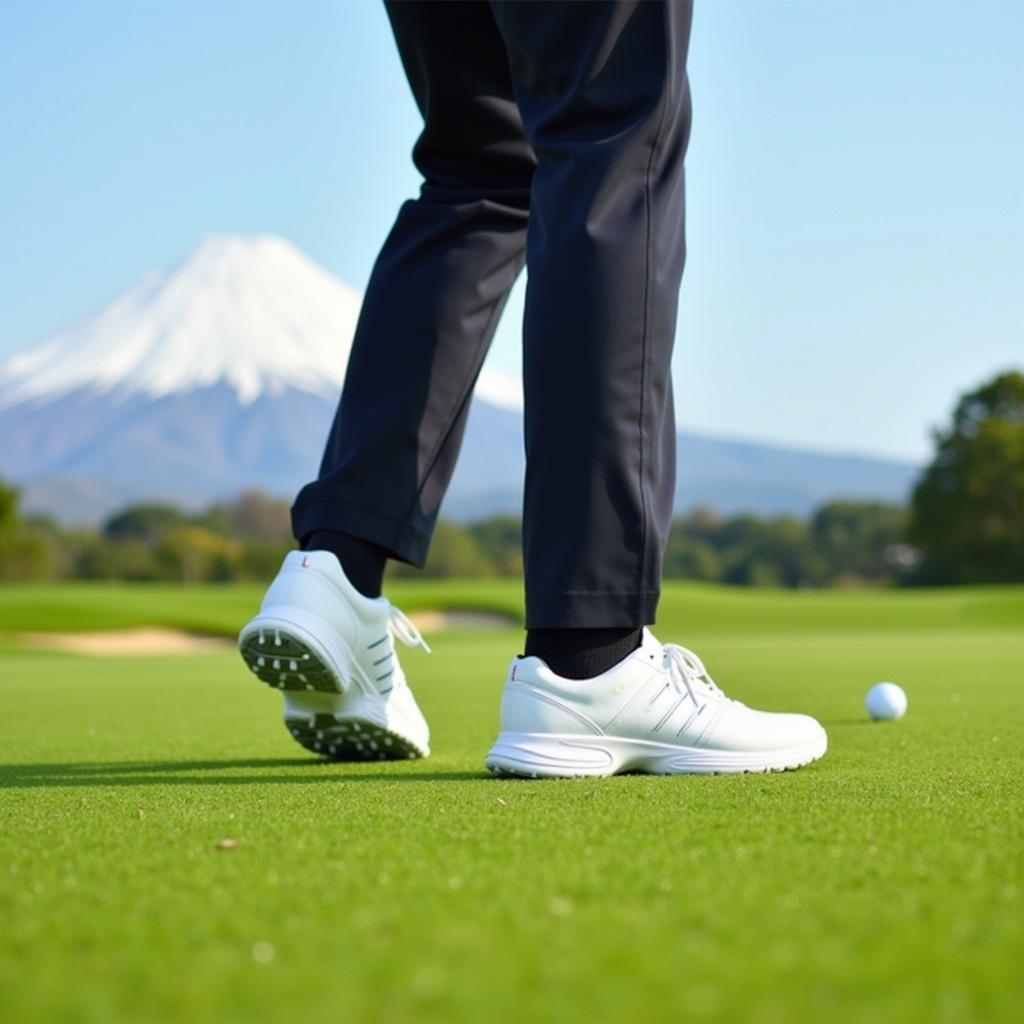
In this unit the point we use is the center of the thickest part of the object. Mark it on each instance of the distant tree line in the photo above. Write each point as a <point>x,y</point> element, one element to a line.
<point>237,540</point>
<point>844,542</point>
<point>964,524</point>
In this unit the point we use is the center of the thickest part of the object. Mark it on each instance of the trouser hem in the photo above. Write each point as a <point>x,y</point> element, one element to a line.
<point>591,609</point>
<point>399,538</point>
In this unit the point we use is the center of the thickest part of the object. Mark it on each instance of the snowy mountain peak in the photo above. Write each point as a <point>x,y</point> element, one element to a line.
<point>254,313</point>
<point>223,255</point>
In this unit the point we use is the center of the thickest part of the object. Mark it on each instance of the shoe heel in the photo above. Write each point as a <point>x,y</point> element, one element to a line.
<point>287,654</point>
<point>550,756</point>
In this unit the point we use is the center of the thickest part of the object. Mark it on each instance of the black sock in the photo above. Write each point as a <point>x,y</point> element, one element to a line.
<point>362,561</point>
<point>582,653</point>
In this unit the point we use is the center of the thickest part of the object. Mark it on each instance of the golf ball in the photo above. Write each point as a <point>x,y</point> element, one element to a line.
<point>886,700</point>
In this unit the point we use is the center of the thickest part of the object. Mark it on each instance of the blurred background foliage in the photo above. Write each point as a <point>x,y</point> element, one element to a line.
<point>964,524</point>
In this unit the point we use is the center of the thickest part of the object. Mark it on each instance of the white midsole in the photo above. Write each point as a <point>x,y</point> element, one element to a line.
<point>557,756</point>
<point>306,705</point>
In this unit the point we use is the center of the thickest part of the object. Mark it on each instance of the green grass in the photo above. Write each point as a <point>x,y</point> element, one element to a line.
<point>881,884</point>
<point>705,607</point>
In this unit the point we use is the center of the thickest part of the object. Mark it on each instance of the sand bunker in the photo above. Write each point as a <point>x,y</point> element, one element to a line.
<point>160,640</point>
<point>145,640</point>
<point>431,622</point>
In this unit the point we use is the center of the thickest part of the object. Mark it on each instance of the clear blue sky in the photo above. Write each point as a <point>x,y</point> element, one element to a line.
<point>855,196</point>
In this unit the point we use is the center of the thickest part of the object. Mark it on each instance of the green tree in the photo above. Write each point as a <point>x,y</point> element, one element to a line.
<point>967,510</point>
<point>92,557</point>
<point>194,554</point>
<point>857,541</point>
<point>768,552</point>
<point>501,539</point>
<point>260,560</point>
<point>25,553</point>
<point>9,517</point>
<point>689,554</point>
<point>454,551</point>
<point>145,522</point>
<point>252,515</point>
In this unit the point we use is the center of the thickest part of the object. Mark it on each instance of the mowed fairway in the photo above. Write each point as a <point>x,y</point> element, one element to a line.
<point>881,884</point>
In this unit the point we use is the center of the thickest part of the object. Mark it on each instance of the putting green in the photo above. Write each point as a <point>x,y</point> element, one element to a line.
<point>881,884</point>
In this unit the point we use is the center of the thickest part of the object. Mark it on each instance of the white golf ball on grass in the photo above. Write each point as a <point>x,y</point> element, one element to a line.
<point>886,701</point>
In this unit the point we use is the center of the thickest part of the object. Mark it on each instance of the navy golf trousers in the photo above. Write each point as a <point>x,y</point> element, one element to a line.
<point>554,136</point>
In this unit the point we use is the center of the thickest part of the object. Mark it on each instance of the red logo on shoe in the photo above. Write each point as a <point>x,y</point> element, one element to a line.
<point>305,562</point>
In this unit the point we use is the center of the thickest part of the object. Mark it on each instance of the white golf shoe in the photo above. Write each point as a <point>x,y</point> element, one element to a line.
<point>656,711</point>
<point>331,652</point>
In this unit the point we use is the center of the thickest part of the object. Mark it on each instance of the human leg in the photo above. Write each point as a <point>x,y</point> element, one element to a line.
<point>436,291</point>
<point>438,286</point>
<point>603,94</point>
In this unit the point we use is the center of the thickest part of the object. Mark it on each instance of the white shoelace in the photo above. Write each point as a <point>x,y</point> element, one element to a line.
<point>688,674</point>
<point>401,627</point>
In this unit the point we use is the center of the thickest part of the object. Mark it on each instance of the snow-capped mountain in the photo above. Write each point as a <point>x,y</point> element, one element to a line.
<point>255,314</point>
<point>223,372</point>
